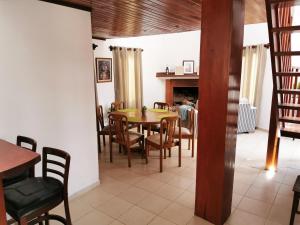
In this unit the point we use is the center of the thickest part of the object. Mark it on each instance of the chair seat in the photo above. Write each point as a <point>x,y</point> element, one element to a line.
<point>155,140</point>
<point>296,187</point>
<point>184,132</point>
<point>105,130</point>
<point>31,194</point>
<point>134,137</point>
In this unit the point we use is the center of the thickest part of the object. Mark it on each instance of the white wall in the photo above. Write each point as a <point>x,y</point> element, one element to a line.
<point>46,82</point>
<point>159,51</point>
<point>171,49</point>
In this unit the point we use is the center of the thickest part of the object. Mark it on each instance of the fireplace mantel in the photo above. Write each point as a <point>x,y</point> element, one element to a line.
<point>172,76</point>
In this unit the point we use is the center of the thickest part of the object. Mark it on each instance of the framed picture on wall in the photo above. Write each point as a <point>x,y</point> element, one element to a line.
<point>188,66</point>
<point>103,70</point>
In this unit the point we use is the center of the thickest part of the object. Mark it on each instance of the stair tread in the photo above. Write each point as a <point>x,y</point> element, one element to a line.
<point>291,74</point>
<point>286,29</point>
<point>287,53</point>
<point>289,106</point>
<point>290,119</point>
<point>289,91</point>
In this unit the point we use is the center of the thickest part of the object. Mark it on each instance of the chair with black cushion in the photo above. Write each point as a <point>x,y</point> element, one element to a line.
<point>156,127</point>
<point>165,139</point>
<point>103,130</point>
<point>30,200</point>
<point>188,132</point>
<point>27,143</point>
<point>120,134</point>
<point>296,190</point>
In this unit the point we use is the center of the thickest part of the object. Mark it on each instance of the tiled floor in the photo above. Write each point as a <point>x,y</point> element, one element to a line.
<point>141,195</point>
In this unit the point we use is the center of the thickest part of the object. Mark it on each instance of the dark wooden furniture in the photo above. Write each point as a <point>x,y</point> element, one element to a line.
<point>219,82</point>
<point>295,205</point>
<point>121,18</point>
<point>156,105</point>
<point>172,76</point>
<point>119,133</point>
<point>188,132</point>
<point>165,139</point>
<point>117,105</point>
<point>21,140</point>
<point>13,160</point>
<point>30,200</point>
<point>103,130</point>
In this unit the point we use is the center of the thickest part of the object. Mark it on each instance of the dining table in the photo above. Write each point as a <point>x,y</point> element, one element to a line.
<point>13,161</point>
<point>148,118</point>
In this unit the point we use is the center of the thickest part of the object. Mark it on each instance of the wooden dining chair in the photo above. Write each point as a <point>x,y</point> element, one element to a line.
<point>188,132</point>
<point>122,135</point>
<point>29,201</point>
<point>117,105</point>
<point>165,139</point>
<point>27,143</point>
<point>156,127</point>
<point>103,130</point>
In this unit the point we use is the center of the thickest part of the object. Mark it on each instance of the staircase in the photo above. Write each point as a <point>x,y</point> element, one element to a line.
<point>285,78</point>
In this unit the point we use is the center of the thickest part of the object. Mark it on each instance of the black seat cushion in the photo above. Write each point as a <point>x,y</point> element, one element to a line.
<point>31,194</point>
<point>296,187</point>
<point>15,179</point>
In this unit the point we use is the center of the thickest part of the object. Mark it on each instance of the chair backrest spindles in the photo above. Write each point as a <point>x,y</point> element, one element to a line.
<point>118,125</point>
<point>117,105</point>
<point>161,105</point>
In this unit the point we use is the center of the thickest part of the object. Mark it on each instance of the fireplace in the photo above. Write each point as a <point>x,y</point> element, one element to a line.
<point>180,89</point>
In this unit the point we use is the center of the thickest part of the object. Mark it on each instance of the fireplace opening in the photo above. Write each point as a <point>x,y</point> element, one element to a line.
<point>188,93</point>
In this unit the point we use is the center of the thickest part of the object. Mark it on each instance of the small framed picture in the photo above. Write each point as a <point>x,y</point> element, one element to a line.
<point>103,69</point>
<point>188,66</point>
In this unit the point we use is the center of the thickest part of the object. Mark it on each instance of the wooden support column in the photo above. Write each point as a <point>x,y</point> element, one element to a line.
<point>219,84</point>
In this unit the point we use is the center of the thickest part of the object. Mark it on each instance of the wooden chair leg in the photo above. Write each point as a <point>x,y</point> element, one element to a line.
<point>67,211</point>
<point>160,160</point>
<point>193,146</point>
<point>129,156</point>
<point>99,142</point>
<point>146,151</point>
<point>189,144</point>
<point>169,152</point>
<point>179,155</point>
<point>46,221</point>
<point>294,208</point>
<point>104,143</point>
<point>110,151</point>
<point>165,153</point>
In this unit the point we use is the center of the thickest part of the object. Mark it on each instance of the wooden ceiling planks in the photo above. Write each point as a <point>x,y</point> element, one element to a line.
<point>127,18</point>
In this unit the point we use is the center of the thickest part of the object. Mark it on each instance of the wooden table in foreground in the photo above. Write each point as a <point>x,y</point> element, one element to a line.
<point>13,160</point>
<point>151,117</point>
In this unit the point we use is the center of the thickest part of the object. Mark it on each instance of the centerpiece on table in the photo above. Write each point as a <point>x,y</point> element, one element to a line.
<point>144,109</point>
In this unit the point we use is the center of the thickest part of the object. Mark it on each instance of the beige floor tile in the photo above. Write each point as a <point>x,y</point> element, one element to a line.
<point>149,184</point>
<point>261,194</point>
<point>160,221</point>
<point>198,221</point>
<point>130,178</point>
<point>244,177</point>
<point>164,177</point>
<point>114,188</point>
<point>240,188</point>
<point>240,217</point>
<point>95,217</point>
<point>115,207</point>
<point>286,190</point>
<point>116,222</point>
<point>236,198</point>
<point>192,187</point>
<point>256,207</point>
<point>283,201</point>
<point>169,192</point>
<point>178,214</point>
<point>136,216</point>
<point>154,203</point>
<point>181,182</point>
<point>78,209</point>
<point>133,194</point>
<point>280,215</point>
<point>95,197</point>
<point>187,199</point>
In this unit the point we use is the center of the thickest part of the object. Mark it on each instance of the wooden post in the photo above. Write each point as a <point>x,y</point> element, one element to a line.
<point>219,84</point>
<point>2,204</point>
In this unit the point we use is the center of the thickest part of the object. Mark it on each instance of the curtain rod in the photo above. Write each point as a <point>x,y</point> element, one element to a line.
<point>114,47</point>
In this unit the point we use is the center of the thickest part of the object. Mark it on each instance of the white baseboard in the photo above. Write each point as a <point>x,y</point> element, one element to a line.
<point>85,190</point>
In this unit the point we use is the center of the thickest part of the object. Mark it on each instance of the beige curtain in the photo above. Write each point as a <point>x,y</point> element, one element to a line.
<point>253,71</point>
<point>128,76</point>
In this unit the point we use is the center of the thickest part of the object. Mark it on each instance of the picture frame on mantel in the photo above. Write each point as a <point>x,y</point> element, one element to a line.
<point>188,66</point>
<point>104,70</point>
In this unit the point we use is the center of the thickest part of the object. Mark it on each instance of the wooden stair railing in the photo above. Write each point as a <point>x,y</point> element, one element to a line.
<point>285,113</point>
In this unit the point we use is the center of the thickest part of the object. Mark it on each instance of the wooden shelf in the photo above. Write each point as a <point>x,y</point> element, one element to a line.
<point>172,76</point>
